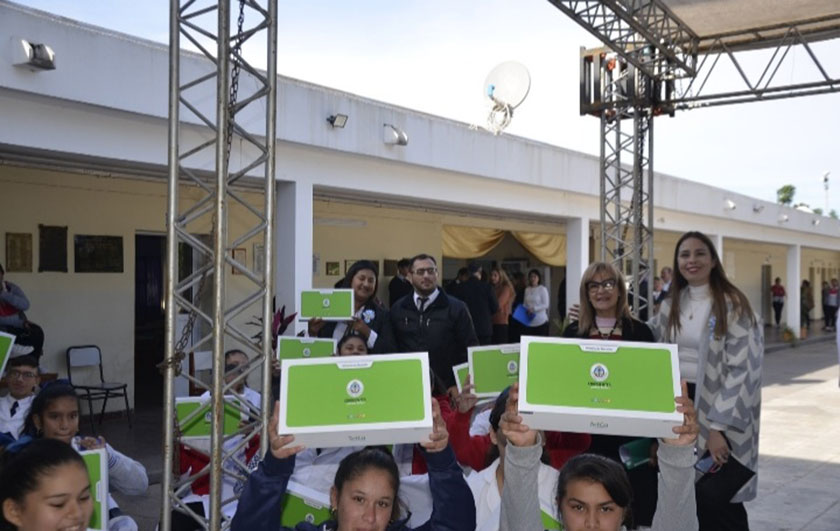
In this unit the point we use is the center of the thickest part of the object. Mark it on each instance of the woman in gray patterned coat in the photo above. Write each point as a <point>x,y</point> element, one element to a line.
<point>721,346</point>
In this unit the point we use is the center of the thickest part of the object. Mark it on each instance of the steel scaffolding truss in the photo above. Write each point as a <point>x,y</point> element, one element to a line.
<point>653,69</point>
<point>778,53</point>
<point>645,32</point>
<point>207,26</point>
<point>627,179</point>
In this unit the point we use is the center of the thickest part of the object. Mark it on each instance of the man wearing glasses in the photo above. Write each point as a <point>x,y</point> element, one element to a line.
<point>431,321</point>
<point>22,378</point>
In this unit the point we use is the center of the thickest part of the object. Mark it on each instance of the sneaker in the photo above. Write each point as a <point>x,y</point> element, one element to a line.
<point>21,350</point>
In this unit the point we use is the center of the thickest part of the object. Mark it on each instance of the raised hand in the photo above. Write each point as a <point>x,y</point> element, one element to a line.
<point>511,424</point>
<point>439,438</point>
<point>687,432</point>
<point>279,444</point>
<point>466,400</point>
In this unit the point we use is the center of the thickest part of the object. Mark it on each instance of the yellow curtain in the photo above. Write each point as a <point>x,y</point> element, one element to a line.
<point>549,248</point>
<point>469,242</point>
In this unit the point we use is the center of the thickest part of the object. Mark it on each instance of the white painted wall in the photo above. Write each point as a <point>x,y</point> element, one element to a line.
<point>92,308</point>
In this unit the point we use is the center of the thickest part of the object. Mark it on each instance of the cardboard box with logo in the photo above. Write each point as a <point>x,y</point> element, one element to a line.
<point>494,368</point>
<point>356,400</point>
<point>604,387</point>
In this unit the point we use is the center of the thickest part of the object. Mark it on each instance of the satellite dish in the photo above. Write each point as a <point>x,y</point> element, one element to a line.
<point>506,86</point>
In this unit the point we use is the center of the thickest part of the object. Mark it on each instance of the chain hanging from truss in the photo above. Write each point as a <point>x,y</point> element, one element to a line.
<point>230,81</point>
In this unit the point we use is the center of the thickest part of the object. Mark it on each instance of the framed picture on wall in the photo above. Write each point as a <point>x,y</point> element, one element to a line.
<point>333,269</point>
<point>52,248</point>
<point>349,263</point>
<point>19,252</point>
<point>98,254</point>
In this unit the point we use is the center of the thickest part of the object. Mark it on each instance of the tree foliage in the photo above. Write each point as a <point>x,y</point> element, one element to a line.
<point>785,194</point>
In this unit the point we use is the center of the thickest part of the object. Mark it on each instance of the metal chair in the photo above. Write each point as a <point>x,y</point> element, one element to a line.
<point>89,356</point>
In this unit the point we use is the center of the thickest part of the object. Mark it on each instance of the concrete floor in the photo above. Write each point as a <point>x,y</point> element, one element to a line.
<point>799,467</point>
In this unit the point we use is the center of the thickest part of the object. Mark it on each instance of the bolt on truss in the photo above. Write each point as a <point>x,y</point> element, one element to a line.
<point>644,32</point>
<point>218,97</point>
<point>627,179</point>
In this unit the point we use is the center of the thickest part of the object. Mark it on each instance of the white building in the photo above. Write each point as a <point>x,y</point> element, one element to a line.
<point>84,147</point>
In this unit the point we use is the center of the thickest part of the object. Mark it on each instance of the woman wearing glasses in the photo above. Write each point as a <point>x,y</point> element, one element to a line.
<point>605,314</point>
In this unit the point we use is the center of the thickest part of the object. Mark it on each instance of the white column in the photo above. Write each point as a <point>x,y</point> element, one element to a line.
<point>717,239</point>
<point>293,236</point>
<point>577,257</point>
<point>794,275</point>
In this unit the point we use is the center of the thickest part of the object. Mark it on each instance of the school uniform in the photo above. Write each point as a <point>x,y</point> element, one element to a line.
<point>13,413</point>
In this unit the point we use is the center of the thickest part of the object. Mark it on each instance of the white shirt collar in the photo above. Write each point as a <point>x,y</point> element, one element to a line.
<point>429,302</point>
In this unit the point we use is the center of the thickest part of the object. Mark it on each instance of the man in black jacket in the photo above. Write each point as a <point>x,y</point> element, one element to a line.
<point>400,285</point>
<point>432,321</point>
<point>481,301</point>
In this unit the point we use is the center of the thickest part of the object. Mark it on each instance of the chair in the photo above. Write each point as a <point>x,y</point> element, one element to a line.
<point>89,356</point>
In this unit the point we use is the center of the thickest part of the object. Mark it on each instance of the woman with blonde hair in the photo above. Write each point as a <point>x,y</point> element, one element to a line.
<point>505,293</point>
<point>605,314</point>
<point>720,343</point>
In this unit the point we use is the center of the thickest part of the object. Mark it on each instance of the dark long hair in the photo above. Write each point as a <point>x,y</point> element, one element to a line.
<point>355,268</point>
<point>22,472</point>
<point>722,290</point>
<point>602,470</point>
<point>42,401</point>
<point>357,463</point>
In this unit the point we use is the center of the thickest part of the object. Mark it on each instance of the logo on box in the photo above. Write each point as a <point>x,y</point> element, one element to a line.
<point>326,302</point>
<point>355,388</point>
<point>512,367</point>
<point>599,372</point>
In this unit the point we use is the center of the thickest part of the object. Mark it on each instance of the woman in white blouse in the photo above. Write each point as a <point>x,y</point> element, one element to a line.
<point>721,346</point>
<point>536,304</point>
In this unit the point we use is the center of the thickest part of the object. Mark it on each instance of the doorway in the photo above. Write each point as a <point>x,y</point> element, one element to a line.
<point>149,335</point>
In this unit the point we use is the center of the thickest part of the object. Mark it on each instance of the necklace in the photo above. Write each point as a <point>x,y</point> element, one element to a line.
<point>608,334</point>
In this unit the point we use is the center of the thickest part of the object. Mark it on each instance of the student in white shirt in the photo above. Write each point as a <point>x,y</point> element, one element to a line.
<point>55,415</point>
<point>22,377</point>
<point>486,485</point>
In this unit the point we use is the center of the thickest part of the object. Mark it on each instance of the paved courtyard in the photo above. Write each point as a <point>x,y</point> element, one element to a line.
<point>799,474</point>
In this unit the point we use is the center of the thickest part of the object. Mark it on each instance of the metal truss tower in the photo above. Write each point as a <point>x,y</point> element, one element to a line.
<point>655,64</point>
<point>201,165</point>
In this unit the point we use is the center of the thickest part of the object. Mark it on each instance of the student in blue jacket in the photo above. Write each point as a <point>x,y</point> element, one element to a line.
<point>364,493</point>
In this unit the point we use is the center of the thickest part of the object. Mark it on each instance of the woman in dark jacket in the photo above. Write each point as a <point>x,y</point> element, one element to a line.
<point>370,318</point>
<point>605,314</point>
<point>365,491</point>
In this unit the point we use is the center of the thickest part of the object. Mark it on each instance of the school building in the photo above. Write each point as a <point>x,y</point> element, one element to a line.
<point>83,162</point>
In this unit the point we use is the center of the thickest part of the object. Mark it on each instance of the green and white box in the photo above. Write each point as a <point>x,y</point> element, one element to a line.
<point>461,371</point>
<point>302,504</point>
<point>327,304</point>
<point>6,343</point>
<point>195,424</point>
<point>493,368</point>
<point>96,462</point>
<point>289,348</point>
<point>604,387</point>
<point>356,400</point>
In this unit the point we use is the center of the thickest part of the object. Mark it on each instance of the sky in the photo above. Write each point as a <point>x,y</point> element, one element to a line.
<point>434,55</point>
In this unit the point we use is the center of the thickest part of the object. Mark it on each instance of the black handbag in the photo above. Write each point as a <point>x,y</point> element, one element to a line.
<point>721,483</point>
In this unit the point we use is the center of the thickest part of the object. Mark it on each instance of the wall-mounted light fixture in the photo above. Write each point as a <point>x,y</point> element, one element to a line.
<point>757,208</point>
<point>337,121</point>
<point>815,221</point>
<point>730,204</point>
<point>393,135</point>
<point>783,218</point>
<point>32,55</point>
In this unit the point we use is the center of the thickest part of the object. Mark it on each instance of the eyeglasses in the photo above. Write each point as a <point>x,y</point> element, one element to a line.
<point>425,271</point>
<point>233,369</point>
<point>608,285</point>
<point>23,375</point>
